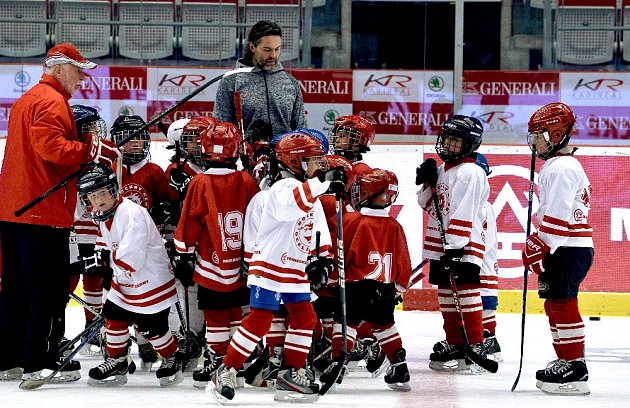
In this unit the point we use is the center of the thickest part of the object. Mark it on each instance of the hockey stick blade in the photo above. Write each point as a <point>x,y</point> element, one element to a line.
<point>334,374</point>
<point>485,363</point>
<point>90,332</point>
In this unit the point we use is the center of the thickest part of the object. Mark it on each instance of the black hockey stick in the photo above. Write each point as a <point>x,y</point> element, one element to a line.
<point>122,142</point>
<point>486,364</point>
<point>530,199</point>
<point>92,330</point>
<point>341,360</point>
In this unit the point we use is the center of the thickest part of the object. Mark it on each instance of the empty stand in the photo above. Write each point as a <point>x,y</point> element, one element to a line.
<point>210,43</point>
<point>284,12</point>
<point>145,39</point>
<point>93,40</point>
<point>19,39</point>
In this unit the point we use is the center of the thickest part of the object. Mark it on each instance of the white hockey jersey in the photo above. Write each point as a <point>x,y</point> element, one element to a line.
<point>143,280</point>
<point>279,234</point>
<point>489,274</point>
<point>462,191</point>
<point>564,192</point>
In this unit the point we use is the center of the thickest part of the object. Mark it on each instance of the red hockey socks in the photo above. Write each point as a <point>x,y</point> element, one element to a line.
<point>297,342</point>
<point>567,327</point>
<point>247,336</point>
<point>471,307</point>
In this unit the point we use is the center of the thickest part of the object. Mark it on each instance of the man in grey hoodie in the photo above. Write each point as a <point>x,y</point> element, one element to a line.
<point>271,98</point>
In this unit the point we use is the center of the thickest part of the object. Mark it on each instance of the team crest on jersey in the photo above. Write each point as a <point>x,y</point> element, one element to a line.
<point>443,195</point>
<point>586,197</point>
<point>303,231</point>
<point>136,193</point>
<point>578,215</point>
<point>215,257</point>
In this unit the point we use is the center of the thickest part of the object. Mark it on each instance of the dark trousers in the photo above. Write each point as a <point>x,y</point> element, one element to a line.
<point>33,294</point>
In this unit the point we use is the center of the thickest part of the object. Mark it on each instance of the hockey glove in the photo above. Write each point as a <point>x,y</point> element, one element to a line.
<point>244,269</point>
<point>451,259</point>
<point>179,181</point>
<point>97,263</point>
<point>102,151</point>
<point>534,254</point>
<point>427,173</point>
<point>318,269</point>
<point>184,267</point>
<point>337,178</point>
<point>165,213</point>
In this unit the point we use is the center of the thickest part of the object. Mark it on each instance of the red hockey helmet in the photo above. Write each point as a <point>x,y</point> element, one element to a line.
<point>221,143</point>
<point>351,135</point>
<point>376,188</point>
<point>294,149</point>
<point>189,137</point>
<point>550,128</point>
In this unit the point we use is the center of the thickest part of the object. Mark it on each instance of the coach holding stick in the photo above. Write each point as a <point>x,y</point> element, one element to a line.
<point>42,149</point>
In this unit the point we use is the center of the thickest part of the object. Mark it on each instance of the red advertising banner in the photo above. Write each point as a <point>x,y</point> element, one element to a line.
<point>114,83</point>
<point>510,88</point>
<point>328,86</point>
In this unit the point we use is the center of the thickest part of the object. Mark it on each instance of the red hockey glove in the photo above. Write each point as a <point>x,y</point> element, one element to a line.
<point>102,150</point>
<point>534,253</point>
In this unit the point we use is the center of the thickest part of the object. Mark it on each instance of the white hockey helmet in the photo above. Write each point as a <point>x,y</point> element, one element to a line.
<point>175,129</point>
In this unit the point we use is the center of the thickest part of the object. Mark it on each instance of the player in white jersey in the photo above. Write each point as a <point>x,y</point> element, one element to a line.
<point>280,224</point>
<point>142,286</point>
<point>462,190</point>
<point>561,252</point>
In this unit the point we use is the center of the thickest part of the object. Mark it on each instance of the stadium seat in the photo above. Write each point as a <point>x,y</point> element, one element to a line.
<point>209,43</point>
<point>284,12</point>
<point>23,39</point>
<point>626,34</point>
<point>92,40</point>
<point>141,41</point>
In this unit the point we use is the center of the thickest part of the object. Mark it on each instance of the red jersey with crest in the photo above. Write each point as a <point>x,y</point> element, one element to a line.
<point>376,248</point>
<point>144,183</point>
<point>564,192</point>
<point>211,223</point>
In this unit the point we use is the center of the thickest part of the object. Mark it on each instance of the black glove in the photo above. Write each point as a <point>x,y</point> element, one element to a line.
<point>244,269</point>
<point>398,299</point>
<point>179,180</point>
<point>337,178</point>
<point>97,263</point>
<point>184,267</point>
<point>165,213</point>
<point>451,259</point>
<point>318,269</point>
<point>107,277</point>
<point>427,173</point>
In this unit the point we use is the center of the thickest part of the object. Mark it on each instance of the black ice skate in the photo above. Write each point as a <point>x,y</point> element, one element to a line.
<point>148,356</point>
<point>397,375</point>
<point>191,347</point>
<point>11,374</point>
<point>451,358</point>
<point>69,373</point>
<point>293,385</point>
<point>564,378</point>
<point>376,360</point>
<point>171,370</point>
<point>210,366</point>
<point>491,344</point>
<point>330,371</point>
<point>222,385</point>
<point>112,372</point>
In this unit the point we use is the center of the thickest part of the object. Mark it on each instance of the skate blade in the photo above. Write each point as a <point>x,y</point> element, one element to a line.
<point>146,366</point>
<point>451,366</point>
<point>171,380</point>
<point>404,387</point>
<point>215,394</point>
<point>477,370</point>
<point>294,397</point>
<point>496,357</point>
<point>200,384</point>
<point>113,381</point>
<point>65,377</point>
<point>91,350</point>
<point>571,388</point>
<point>192,365</point>
<point>381,369</point>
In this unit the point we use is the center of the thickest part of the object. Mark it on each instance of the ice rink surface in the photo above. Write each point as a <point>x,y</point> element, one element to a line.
<point>607,353</point>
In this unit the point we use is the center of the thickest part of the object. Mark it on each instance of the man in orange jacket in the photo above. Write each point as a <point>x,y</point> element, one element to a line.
<point>42,149</point>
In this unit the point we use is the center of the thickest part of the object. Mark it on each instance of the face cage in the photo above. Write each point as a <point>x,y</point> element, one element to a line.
<point>350,147</point>
<point>95,128</point>
<point>193,155</point>
<point>531,141</point>
<point>319,162</point>
<point>100,216</point>
<point>134,157</point>
<point>445,154</point>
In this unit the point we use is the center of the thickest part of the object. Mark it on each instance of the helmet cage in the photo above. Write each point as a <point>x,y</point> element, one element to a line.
<point>294,149</point>
<point>358,131</point>
<point>190,142</point>
<point>552,121</point>
<point>99,177</point>
<point>96,127</point>
<point>467,129</point>
<point>133,155</point>
<point>373,184</point>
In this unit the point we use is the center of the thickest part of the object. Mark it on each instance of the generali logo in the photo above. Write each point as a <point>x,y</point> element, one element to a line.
<point>323,87</point>
<point>114,83</point>
<point>502,88</point>
<point>602,88</point>
<point>387,85</point>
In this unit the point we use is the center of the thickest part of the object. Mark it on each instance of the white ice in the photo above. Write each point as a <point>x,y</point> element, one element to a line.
<point>607,352</point>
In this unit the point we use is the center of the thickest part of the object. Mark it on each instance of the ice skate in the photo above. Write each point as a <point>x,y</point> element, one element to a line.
<point>376,359</point>
<point>563,377</point>
<point>190,345</point>
<point>358,354</point>
<point>222,385</point>
<point>292,385</point>
<point>11,374</point>
<point>171,370</point>
<point>110,373</point>
<point>493,350</point>
<point>69,373</point>
<point>397,375</point>
<point>94,346</point>
<point>451,358</point>
<point>480,349</point>
<point>329,372</point>
<point>210,366</point>
<point>148,356</point>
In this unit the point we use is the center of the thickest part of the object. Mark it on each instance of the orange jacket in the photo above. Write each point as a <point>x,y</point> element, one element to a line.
<point>42,149</point>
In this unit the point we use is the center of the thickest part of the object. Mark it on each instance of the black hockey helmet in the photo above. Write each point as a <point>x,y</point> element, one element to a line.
<point>88,121</point>
<point>121,129</point>
<point>465,128</point>
<point>95,178</point>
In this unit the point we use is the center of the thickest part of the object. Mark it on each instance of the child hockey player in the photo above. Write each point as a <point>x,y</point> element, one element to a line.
<point>142,286</point>
<point>561,252</point>
<point>462,190</point>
